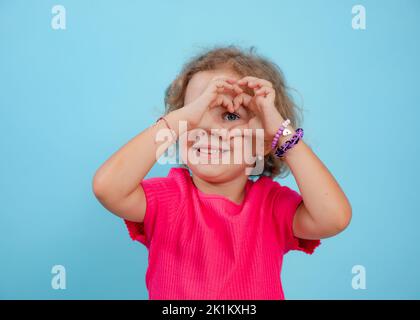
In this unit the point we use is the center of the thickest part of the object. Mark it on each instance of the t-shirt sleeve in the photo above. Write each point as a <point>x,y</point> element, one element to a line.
<point>162,199</point>
<point>286,202</point>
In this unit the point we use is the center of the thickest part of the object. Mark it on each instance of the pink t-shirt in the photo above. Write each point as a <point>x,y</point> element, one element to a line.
<point>204,246</point>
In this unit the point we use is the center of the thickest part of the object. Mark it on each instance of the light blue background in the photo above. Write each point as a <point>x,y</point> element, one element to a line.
<point>69,99</point>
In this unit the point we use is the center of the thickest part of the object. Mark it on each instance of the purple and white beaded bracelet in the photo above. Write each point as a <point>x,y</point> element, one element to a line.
<point>279,133</point>
<point>280,151</point>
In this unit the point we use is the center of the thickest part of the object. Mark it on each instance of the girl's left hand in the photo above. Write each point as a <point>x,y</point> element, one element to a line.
<point>261,104</point>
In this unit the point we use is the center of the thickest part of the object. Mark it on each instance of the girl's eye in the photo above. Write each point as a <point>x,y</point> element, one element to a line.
<point>230,116</point>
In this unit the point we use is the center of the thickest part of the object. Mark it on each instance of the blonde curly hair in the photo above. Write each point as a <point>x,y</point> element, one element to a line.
<point>244,62</point>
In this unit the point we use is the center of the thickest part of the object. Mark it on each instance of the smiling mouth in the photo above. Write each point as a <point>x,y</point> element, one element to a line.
<point>206,151</point>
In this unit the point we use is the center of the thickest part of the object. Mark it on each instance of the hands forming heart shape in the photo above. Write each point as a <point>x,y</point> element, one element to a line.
<point>220,90</point>
<point>255,94</point>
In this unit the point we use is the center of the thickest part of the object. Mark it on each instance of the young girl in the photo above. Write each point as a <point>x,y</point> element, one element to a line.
<point>211,232</point>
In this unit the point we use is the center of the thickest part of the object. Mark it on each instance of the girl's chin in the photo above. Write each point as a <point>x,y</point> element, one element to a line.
<point>212,171</point>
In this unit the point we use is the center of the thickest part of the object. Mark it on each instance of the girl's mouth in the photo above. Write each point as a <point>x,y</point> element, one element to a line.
<point>209,151</point>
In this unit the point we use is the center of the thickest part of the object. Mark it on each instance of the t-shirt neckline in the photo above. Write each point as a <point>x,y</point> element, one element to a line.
<point>222,197</point>
<point>231,204</point>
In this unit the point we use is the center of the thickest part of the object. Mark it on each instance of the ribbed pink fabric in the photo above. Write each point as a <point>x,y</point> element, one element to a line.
<point>204,246</point>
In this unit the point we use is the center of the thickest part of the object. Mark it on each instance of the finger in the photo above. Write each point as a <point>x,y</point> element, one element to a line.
<point>241,99</point>
<point>224,101</point>
<point>234,87</point>
<point>237,89</point>
<point>264,91</point>
<point>253,82</point>
<point>228,104</point>
<point>231,80</point>
<point>222,86</point>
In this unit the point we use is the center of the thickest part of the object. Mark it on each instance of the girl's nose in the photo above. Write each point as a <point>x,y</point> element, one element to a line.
<point>220,133</point>
<point>210,124</point>
<point>213,134</point>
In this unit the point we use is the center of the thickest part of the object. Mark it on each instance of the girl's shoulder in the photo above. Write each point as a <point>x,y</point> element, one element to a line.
<point>178,179</point>
<point>180,176</point>
<point>179,173</point>
<point>266,183</point>
<point>272,188</point>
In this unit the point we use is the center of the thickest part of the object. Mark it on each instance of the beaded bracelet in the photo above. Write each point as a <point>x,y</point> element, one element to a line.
<point>280,151</point>
<point>173,134</point>
<point>279,132</point>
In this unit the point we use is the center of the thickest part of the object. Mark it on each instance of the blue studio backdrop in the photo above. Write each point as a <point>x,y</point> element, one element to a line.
<point>70,97</point>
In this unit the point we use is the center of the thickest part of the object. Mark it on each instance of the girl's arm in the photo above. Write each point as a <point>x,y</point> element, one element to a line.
<point>325,210</point>
<point>116,183</point>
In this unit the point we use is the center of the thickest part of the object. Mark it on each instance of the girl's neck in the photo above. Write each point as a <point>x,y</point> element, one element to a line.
<point>234,189</point>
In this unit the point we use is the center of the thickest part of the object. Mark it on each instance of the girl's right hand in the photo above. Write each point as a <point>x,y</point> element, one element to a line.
<point>218,92</point>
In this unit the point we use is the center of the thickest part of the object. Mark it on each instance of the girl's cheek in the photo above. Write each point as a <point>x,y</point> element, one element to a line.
<point>241,150</point>
<point>254,146</point>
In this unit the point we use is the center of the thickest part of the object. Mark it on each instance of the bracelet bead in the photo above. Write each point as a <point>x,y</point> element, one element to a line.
<point>280,132</point>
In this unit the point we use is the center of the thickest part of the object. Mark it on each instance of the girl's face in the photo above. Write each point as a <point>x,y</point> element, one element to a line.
<point>219,149</point>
